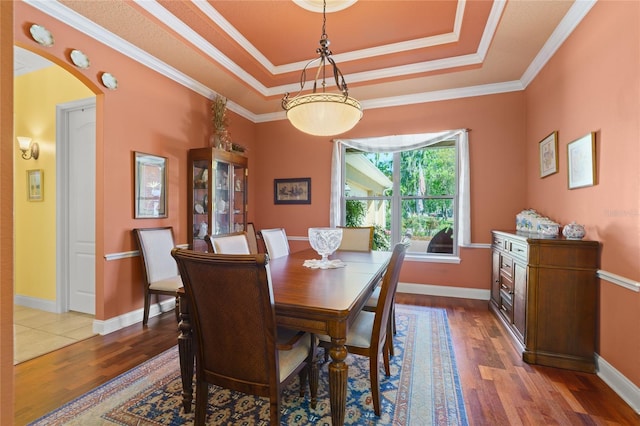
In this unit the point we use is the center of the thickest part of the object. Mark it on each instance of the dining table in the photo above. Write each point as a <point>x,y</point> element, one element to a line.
<point>315,300</point>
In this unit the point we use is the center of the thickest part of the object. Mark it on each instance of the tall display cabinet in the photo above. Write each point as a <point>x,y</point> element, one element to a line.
<point>217,200</point>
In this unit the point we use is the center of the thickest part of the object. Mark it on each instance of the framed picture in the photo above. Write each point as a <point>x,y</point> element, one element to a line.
<point>35,185</point>
<point>548,148</point>
<point>292,191</point>
<point>150,186</point>
<point>582,162</point>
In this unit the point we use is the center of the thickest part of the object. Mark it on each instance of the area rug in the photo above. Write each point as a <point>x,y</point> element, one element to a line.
<point>424,389</point>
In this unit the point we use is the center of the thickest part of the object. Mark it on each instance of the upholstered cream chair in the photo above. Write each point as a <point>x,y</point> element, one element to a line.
<point>369,334</point>
<point>160,270</point>
<point>241,349</point>
<point>235,243</point>
<point>275,241</point>
<point>357,238</point>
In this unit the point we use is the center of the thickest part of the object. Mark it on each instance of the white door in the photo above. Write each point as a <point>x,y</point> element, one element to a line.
<point>81,150</point>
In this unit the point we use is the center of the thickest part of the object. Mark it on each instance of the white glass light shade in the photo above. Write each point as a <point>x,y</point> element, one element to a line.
<point>24,143</point>
<point>323,114</point>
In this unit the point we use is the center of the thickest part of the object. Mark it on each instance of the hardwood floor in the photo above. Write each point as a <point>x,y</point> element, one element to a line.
<point>498,387</point>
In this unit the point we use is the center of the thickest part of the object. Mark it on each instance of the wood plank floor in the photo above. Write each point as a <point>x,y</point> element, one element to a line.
<point>498,387</point>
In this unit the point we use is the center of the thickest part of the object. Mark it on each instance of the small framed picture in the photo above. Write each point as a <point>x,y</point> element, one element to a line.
<point>292,191</point>
<point>150,186</point>
<point>35,185</point>
<point>581,156</point>
<point>548,148</point>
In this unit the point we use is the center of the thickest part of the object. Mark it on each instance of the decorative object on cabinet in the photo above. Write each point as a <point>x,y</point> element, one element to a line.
<point>292,191</point>
<point>35,185</point>
<point>544,291</point>
<point>217,194</point>
<point>220,138</point>
<point>323,113</point>
<point>573,231</point>
<point>150,186</point>
<point>79,59</point>
<point>109,81</point>
<point>581,156</point>
<point>548,148</point>
<point>532,222</point>
<point>41,35</point>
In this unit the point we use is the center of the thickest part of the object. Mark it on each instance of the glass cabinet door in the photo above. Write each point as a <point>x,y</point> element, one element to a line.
<point>217,194</point>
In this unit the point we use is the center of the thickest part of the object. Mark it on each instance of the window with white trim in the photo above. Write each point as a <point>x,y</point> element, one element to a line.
<point>406,195</point>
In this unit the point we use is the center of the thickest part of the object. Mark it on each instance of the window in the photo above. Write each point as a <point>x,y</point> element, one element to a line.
<point>411,194</point>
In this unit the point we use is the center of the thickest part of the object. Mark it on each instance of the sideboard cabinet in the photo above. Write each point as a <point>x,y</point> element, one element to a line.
<point>217,194</point>
<point>544,291</point>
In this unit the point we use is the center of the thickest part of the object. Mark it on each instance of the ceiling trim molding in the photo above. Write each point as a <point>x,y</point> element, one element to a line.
<point>100,34</point>
<point>569,22</point>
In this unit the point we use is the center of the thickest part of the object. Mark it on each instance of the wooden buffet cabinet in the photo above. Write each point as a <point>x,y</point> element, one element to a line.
<point>544,291</point>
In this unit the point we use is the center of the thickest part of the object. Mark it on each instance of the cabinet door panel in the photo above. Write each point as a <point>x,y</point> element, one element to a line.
<point>520,299</point>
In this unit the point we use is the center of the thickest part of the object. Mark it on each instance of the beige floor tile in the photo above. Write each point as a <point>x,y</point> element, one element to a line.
<point>37,332</point>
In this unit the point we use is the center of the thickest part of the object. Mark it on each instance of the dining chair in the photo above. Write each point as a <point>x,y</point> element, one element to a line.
<point>234,243</point>
<point>369,334</point>
<point>161,276</point>
<point>275,242</point>
<point>357,238</point>
<point>252,238</point>
<point>238,345</point>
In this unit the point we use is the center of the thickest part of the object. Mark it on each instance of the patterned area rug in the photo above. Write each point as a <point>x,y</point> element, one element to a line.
<point>424,389</point>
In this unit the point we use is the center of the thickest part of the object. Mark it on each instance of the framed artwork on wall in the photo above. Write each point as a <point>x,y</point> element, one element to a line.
<point>35,185</point>
<point>150,187</point>
<point>548,148</point>
<point>582,162</point>
<point>292,191</point>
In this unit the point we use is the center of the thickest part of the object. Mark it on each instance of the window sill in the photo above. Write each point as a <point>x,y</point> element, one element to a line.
<point>429,258</point>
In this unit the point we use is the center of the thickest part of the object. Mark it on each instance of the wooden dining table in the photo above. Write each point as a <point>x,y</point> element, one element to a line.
<point>320,301</point>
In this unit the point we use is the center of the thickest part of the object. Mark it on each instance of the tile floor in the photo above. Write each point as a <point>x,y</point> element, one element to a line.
<point>38,332</point>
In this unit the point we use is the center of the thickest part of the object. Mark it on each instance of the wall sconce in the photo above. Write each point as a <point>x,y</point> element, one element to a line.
<point>29,150</point>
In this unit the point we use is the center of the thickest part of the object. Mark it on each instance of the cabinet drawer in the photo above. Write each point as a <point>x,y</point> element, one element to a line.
<point>506,266</point>
<point>500,242</point>
<point>519,250</point>
<point>506,307</point>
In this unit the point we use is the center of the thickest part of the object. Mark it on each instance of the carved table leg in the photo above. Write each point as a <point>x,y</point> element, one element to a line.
<point>185,349</point>
<point>338,372</point>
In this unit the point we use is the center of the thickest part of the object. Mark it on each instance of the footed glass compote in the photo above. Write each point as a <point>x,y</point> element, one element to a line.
<point>325,241</point>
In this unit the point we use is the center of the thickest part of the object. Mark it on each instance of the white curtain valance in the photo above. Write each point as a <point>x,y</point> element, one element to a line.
<point>397,143</point>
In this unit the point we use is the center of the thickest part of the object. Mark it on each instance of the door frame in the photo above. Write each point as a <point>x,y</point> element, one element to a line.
<point>62,198</point>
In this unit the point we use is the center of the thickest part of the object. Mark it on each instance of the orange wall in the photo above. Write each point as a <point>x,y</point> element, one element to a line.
<point>592,84</point>
<point>497,148</point>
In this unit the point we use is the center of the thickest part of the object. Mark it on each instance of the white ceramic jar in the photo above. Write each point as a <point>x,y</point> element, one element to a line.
<point>573,231</point>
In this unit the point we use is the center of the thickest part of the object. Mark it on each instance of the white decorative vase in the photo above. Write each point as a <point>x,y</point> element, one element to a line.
<point>573,231</point>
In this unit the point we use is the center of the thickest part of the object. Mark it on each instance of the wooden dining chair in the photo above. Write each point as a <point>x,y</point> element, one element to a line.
<point>275,242</point>
<point>369,334</point>
<point>161,276</point>
<point>252,238</point>
<point>238,345</point>
<point>357,238</point>
<point>234,243</point>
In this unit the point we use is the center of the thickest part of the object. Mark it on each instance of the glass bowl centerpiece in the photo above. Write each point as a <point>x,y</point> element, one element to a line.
<point>325,241</point>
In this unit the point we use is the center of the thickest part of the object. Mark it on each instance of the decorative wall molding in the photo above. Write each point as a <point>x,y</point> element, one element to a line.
<point>133,253</point>
<point>620,384</point>
<point>619,280</point>
<point>446,291</point>
<point>35,303</point>
<point>116,323</point>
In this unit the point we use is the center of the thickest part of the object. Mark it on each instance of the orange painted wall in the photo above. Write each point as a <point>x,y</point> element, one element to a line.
<point>497,149</point>
<point>592,84</point>
<point>147,113</point>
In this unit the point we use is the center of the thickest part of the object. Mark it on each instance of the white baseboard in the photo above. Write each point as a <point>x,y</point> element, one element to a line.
<point>130,318</point>
<point>35,303</point>
<point>624,387</point>
<point>438,290</point>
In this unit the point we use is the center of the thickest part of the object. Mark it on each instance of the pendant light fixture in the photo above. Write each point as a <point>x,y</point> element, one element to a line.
<point>320,113</point>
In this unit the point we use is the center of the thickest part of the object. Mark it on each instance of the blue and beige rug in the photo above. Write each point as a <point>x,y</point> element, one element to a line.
<point>424,389</point>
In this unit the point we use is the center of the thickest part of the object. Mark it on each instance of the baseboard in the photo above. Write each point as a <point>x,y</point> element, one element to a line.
<point>624,387</point>
<point>35,303</point>
<point>439,290</point>
<point>130,318</point>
